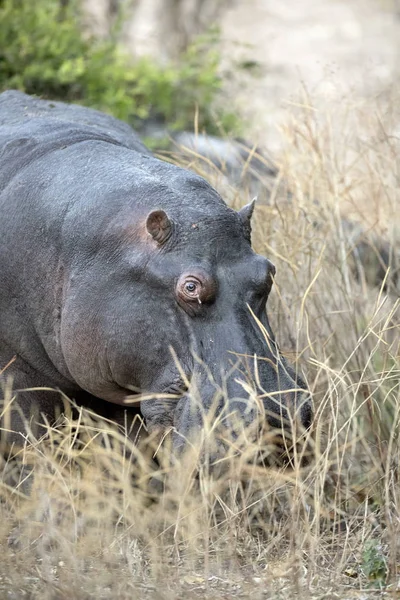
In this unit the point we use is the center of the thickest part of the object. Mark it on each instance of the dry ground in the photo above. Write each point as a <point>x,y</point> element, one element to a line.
<point>327,530</point>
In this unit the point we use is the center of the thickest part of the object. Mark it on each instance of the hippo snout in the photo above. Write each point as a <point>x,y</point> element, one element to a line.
<point>224,425</point>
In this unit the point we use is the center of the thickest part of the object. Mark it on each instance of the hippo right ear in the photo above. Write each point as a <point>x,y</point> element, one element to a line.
<point>245,215</point>
<point>159,226</point>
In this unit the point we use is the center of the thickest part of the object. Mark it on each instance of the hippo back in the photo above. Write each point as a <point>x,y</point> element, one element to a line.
<point>17,108</point>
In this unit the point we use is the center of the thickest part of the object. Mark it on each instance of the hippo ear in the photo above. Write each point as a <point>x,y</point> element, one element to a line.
<point>159,226</point>
<point>245,215</point>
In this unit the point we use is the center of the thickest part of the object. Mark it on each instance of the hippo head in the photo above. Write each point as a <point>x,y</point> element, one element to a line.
<point>171,305</point>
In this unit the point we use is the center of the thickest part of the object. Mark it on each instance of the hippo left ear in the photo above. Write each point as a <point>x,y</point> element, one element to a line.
<point>159,226</point>
<point>245,215</point>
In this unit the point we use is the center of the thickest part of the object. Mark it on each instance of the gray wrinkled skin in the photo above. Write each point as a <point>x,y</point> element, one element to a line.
<point>116,266</point>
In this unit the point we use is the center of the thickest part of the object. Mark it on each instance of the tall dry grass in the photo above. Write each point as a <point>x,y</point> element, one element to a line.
<point>95,523</point>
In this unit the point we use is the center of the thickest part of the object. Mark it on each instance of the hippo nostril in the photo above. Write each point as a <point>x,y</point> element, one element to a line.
<point>306,414</point>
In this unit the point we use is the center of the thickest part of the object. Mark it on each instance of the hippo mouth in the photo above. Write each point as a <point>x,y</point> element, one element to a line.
<point>158,406</point>
<point>174,390</point>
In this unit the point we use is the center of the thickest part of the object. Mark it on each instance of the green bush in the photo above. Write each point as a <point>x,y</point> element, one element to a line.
<point>43,52</point>
<point>374,563</point>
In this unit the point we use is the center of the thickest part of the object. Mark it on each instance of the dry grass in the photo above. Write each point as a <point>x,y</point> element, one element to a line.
<point>328,530</point>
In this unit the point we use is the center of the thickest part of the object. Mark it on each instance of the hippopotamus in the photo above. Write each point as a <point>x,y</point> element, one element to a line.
<point>127,279</point>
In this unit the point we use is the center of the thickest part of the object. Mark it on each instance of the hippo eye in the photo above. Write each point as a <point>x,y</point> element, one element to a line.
<point>190,287</point>
<point>195,289</point>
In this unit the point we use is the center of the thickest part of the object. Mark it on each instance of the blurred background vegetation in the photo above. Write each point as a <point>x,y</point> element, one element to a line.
<point>46,50</point>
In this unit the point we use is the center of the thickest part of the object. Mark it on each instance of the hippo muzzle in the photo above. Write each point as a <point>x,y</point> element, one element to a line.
<point>283,416</point>
<point>226,415</point>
